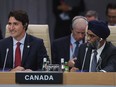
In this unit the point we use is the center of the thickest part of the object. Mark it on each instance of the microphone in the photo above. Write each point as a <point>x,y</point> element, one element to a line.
<point>84,57</point>
<point>7,50</point>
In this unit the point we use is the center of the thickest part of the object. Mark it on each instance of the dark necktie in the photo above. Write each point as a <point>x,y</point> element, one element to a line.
<point>94,62</point>
<point>76,49</point>
<point>18,55</point>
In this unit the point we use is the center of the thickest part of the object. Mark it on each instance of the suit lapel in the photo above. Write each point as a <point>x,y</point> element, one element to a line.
<point>10,53</point>
<point>88,57</point>
<point>26,49</point>
<point>67,48</point>
<point>103,53</point>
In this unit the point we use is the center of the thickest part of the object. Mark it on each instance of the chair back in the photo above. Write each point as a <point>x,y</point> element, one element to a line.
<point>39,31</point>
<point>112,36</point>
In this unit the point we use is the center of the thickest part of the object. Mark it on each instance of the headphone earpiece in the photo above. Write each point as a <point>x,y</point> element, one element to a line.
<point>101,39</point>
<point>25,25</point>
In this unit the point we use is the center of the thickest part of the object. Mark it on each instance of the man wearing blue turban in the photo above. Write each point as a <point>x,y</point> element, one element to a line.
<point>97,55</point>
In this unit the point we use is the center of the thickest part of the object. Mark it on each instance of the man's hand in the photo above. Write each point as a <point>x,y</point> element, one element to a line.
<point>73,69</point>
<point>64,7</point>
<point>71,62</point>
<point>18,68</point>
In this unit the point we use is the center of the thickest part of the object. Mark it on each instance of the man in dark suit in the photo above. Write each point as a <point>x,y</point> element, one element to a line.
<point>111,14</point>
<point>65,47</point>
<point>1,37</point>
<point>64,11</point>
<point>31,49</point>
<point>105,60</point>
<point>91,15</point>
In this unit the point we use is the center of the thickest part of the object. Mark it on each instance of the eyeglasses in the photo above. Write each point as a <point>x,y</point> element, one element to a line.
<point>111,17</point>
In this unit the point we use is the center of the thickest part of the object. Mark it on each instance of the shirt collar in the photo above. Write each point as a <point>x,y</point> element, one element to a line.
<point>72,40</point>
<point>101,48</point>
<point>21,41</point>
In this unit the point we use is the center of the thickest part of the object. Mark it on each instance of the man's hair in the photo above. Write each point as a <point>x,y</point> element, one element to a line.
<point>76,19</point>
<point>110,6</point>
<point>20,16</point>
<point>92,13</point>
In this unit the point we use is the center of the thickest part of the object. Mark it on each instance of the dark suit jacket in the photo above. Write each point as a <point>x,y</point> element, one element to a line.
<point>62,27</point>
<point>61,49</point>
<point>33,53</point>
<point>107,62</point>
<point>78,6</point>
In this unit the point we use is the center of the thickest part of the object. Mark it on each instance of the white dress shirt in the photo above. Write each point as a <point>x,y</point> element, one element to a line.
<point>73,45</point>
<point>21,47</point>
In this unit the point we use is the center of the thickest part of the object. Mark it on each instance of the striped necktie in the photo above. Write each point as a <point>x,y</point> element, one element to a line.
<point>76,49</point>
<point>94,62</point>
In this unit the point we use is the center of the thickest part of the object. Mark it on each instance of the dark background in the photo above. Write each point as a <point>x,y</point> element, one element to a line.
<point>40,11</point>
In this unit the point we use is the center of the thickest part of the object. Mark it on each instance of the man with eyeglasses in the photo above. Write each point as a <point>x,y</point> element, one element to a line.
<point>96,42</point>
<point>111,14</point>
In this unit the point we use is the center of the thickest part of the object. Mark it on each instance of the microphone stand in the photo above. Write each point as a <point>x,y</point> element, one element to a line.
<point>7,50</point>
<point>84,57</point>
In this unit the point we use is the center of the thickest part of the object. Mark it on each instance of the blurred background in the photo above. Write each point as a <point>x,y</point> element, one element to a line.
<point>41,11</point>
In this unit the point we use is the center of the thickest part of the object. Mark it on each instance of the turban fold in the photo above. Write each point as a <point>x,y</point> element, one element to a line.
<point>99,28</point>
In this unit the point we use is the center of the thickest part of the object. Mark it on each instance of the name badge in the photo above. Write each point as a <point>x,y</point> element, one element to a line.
<point>39,77</point>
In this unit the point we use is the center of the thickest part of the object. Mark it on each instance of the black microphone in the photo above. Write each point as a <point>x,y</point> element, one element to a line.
<point>84,57</point>
<point>7,50</point>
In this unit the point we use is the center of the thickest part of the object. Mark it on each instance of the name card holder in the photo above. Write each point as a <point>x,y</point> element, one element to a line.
<point>36,77</point>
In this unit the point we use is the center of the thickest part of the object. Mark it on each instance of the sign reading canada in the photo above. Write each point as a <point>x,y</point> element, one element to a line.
<point>39,77</point>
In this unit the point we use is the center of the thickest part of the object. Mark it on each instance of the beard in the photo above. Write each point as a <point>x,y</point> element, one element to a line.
<point>94,45</point>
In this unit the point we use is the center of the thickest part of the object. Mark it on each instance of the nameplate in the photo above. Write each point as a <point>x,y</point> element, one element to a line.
<point>39,77</point>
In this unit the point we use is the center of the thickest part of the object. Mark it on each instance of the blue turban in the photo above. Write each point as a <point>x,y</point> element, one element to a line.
<point>99,28</point>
